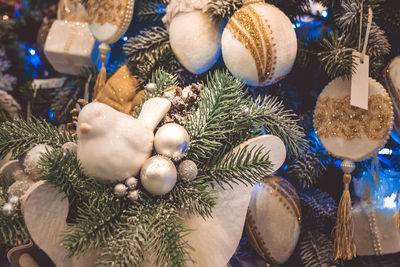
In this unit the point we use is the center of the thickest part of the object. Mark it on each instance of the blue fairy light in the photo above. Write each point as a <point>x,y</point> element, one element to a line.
<point>51,114</point>
<point>32,51</point>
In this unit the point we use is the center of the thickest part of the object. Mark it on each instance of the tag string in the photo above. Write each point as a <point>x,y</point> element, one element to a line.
<point>364,49</point>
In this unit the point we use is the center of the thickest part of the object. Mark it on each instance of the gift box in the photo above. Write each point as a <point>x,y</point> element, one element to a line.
<point>70,46</point>
<point>375,229</point>
<point>375,223</point>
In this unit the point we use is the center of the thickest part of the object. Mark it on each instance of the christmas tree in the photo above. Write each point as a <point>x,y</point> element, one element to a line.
<point>163,132</point>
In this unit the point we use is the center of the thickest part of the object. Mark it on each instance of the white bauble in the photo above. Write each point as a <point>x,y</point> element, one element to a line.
<point>259,44</point>
<point>158,175</point>
<point>273,219</point>
<point>195,38</point>
<point>172,140</point>
<point>109,22</point>
<point>349,132</point>
<point>32,158</point>
<point>112,146</point>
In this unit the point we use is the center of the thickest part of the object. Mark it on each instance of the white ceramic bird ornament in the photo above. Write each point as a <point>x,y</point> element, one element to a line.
<point>112,146</point>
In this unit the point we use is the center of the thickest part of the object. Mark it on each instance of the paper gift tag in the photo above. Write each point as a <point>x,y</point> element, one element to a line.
<point>359,82</point>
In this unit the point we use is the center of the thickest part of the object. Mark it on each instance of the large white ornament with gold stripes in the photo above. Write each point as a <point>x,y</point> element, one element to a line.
<point>274,219</point>
<point>259,44</point>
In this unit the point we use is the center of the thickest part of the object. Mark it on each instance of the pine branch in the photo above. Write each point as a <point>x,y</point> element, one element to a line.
<point>222,9</point>
<point>159,57</point>
<point>271,115</point>
<point>311,164</point>
<point>307,169</point>
<point>221,121</point>
<point>245,166</point>
<point>125,248</point>
<point>318,208</point>
<point>96,221</point>
<point>337,59</point>
<point>63,169</point>
<point>12,230</point>
<point>150,11</point>
<point>195,197</point>
<point>19,136</point>
<point>316,249</point>
<point>212,124</point>
<point>136,47</point>
<point>158,229</point>
<point>166,230</point>
<point>307,52</point>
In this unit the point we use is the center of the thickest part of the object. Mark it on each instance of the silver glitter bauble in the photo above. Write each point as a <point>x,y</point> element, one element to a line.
<point>131,183</point>
<point>71,147</point>
<point>187,170</point>
<point>158,175</point>
<point>172,140</point>
<point>14,201</point>
<point>120,190</point>
<point>151,87</point>
<point>133,195</point>
<point>8,209</point>
<point>32,158</point>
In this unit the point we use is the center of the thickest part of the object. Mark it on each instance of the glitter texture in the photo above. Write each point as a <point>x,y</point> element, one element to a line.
<point>248,28</point>
<point>336,117</point>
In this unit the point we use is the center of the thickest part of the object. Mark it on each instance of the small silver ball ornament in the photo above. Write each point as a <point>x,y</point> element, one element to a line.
<point>8,209</point>
<point>151,87</point>
<point>14,200</point>
<point>133,195</point>
<point>120,190</point>
<point>158,175</point>
<point>172,140</point>
<point>187,170</point>
<point>131,183</point>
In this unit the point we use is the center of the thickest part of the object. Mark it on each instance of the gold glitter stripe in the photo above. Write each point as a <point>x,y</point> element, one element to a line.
<point>245,32</point>
<point>241,36</point>
<point>267,45</point>
<point>252,28</point>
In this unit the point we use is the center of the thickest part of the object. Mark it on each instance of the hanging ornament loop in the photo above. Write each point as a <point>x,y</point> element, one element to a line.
<point>344,246</point>
<point>101,78</point>
<point>364,49</point>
